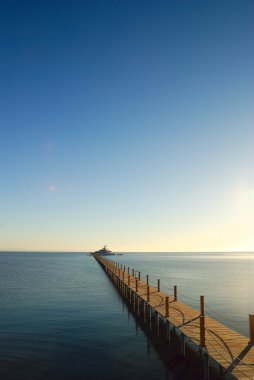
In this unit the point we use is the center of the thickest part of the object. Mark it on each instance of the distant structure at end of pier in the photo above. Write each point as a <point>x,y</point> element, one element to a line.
<point>103,251</point>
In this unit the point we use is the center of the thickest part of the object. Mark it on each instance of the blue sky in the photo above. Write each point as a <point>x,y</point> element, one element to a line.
<point>127,123</point>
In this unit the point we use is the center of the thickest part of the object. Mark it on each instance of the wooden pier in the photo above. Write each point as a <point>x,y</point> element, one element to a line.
<point>230,351</point>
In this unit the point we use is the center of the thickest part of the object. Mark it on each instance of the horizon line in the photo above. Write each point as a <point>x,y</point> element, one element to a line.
<point>88,251</point>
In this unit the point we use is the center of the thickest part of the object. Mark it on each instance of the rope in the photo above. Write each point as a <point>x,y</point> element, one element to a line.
<point>237,369</point>
<point>219,340</point>
<point>189,298</point>
<point>189,304</point>
<point>222,316</point>
<point>168,288</point>
<point>230,324</point>
<point>247,364</point>
<point>160,304</point>
<point>224,347</point>
<point>188,328</point>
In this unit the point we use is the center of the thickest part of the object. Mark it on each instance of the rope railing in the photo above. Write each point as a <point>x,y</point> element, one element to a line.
<point>223,316</point>
<point>250,365</point>
<point>233,357</point>
<point>159,304</point>
<point>188,327</point>
<point>168,288</point>
<point>197,306</point>
<point>199,332</point>
<point>212,311</point>
<point>236,367</point>
<point>219,341</point>
<point>244,363</point>
<point>230,325</point>
<point>189,298</point>
<point>189,304</point>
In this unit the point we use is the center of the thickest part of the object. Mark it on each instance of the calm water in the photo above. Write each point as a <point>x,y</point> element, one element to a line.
<point>61,317</point>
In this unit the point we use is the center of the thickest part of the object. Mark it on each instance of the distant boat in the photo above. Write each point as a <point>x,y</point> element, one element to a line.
<point>103,251</point>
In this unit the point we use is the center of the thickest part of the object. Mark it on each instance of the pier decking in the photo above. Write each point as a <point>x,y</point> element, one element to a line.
<point>233,352</point>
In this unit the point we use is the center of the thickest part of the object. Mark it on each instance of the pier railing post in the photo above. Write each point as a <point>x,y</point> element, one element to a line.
<point>202,322</point>
<point>167,307</point>
<point>148,292</point>
<point>136,285</point>
<point>159,285</point>
<point>139,276</point>
<point>128,270</point>
<point>129,280</point>
<point>133,272</point>
<point>147,279</point>
<point>175,293</point>
<point>251,324</point>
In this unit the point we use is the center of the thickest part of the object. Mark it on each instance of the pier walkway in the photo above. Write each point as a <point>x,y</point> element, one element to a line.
<point>233,352</point>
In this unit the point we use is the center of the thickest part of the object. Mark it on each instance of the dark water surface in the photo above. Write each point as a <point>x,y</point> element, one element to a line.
<point>61,318</point>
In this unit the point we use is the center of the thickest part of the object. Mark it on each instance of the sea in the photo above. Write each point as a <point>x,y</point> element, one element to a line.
<point>62,318</point>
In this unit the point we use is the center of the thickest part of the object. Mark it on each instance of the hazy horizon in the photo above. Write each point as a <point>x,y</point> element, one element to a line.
<point>116,252</point>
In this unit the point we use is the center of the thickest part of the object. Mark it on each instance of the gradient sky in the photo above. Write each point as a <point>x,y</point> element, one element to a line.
<point>127,123</point>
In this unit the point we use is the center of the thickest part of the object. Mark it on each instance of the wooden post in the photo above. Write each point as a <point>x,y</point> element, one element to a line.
<point>148,292</point>
<point>167,307</point>
<point>123,276</point>
<point>202,322</point>
<point>175,292</point>
<point>139,276</point>
<point>124,268</point>
<point>251,324</point>
<point>128,270</point>
<point>129,280</point>
<point>133,272</point>
<point>136,285</point>
<point>147,279</point>
<point>159,285</point>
